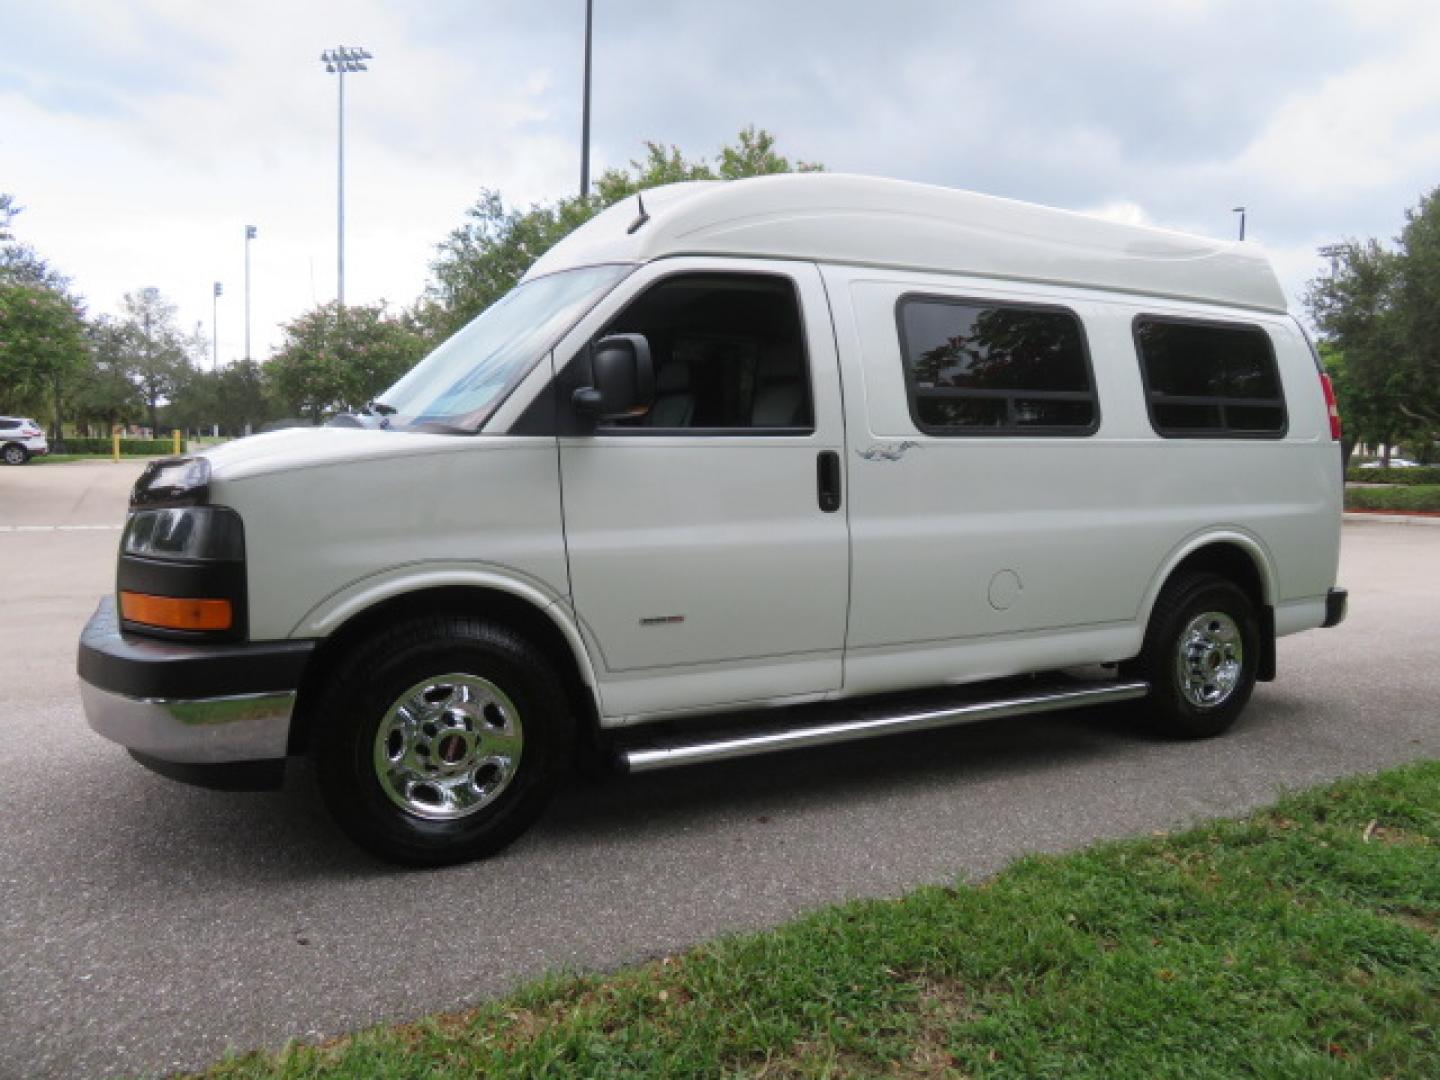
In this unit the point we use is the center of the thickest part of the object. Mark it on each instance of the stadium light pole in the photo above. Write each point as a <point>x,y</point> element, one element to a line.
<point>215,325</point>
<point>585,110</point>
<point>1241,211</point>
<point>250,232</point>
<point>342,60</point>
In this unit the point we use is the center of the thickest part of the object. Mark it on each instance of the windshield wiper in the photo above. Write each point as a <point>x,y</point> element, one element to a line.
<point>439,427</point>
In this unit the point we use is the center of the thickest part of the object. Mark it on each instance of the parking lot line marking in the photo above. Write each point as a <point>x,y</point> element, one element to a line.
<point>60,528</point>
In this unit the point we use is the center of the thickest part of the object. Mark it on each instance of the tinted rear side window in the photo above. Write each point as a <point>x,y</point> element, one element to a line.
<point>1206,379</point>
<point>976,368</point>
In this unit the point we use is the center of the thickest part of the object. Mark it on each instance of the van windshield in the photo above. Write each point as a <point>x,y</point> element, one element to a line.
<point>459,384</point>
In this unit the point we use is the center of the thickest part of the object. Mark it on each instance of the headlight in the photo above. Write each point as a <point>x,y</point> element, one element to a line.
<point>181,481</point>
<point>207,533</point>
<point>181,573</point>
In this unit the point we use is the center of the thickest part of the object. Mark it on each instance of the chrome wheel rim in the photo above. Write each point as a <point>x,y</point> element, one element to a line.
<point>1210,659</point>
<point>448,747</point>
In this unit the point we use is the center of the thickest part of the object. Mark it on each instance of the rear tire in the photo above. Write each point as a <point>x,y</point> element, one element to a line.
<point>1200,656</point>
<point>441,740</point>
<point>14,454</point>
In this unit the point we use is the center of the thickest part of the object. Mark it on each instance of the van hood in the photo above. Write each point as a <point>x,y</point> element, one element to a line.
<point>307,448</point>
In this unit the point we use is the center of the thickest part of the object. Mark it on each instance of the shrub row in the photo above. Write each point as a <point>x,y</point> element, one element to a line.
<point>1426,474</point>
<point>128,447</point>
<point>1407,497</point>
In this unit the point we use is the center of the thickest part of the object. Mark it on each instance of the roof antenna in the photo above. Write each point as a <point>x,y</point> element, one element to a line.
<point>644,217</point>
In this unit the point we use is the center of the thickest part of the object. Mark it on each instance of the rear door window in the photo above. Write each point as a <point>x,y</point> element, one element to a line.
<point>1209,379</point>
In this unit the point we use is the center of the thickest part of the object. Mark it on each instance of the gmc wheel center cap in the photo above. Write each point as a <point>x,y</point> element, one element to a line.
<point>453,748</point>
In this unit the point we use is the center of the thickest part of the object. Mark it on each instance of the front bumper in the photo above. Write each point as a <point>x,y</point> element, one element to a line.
<point>214,714</point>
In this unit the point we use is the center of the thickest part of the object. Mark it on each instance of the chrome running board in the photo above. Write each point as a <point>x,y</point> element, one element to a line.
<point>868,725</point>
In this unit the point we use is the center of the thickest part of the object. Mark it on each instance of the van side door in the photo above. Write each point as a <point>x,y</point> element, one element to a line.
<point>992,509</point>
<point>707,538</point>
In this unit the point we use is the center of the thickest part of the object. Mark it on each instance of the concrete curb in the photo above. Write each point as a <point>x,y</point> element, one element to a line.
<point>1392,519</point>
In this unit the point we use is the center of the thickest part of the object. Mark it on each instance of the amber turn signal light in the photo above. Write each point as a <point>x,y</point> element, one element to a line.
<point>176,613</point>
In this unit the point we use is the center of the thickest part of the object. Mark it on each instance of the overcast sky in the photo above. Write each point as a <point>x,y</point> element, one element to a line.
<point>143,135</point>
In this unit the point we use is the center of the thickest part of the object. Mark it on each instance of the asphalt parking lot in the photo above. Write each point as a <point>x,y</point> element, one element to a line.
<point>148,926</point>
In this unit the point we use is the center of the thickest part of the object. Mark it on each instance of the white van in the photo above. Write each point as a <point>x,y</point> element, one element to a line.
<point>739,468</point>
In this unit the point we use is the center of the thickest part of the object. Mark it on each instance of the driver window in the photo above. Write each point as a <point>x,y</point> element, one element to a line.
<point>728,351</point>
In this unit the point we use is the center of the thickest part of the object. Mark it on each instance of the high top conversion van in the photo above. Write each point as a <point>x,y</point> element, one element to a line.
<point>738,468</point>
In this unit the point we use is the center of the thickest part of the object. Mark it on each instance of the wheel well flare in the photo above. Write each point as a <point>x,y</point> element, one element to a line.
<point>474,601</point>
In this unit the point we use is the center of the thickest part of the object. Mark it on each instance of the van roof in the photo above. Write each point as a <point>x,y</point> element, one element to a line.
<point>869,221</point>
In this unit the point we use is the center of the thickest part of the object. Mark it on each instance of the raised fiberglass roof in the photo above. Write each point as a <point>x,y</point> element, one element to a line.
<point>868,221</point>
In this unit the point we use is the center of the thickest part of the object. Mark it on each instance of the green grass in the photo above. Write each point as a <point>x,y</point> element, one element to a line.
<point>60,459</point>
<point>1298,942</point>
<point>1412,497</point>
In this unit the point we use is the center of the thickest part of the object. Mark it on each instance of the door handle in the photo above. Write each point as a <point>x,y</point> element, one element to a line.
<point>827,480</point>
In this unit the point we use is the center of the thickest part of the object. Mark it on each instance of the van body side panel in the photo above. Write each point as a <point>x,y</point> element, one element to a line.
<point>1052,543</point>
<point>489,503</point>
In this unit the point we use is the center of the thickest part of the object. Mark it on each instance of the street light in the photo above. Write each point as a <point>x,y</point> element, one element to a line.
<point>342,60</point>
<point>585,114</point>
<point>215,325</point>
<point>1241,211</point>
<point>250,232</point>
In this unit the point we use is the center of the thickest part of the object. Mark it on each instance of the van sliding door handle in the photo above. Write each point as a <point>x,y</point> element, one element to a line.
<point>827,478</point>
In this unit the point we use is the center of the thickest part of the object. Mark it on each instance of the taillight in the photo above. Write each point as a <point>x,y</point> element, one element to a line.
<point>1330,406</point>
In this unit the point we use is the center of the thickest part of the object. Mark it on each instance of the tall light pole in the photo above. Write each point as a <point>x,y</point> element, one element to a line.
<point>585,111</point>
<point>1241,211</point>
<point>342,60</point>
<point>1333,253</point>
<point>249,235</point>
<point>215,326</point>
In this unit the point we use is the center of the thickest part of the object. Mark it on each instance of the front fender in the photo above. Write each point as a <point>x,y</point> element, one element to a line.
<point>335,610</point>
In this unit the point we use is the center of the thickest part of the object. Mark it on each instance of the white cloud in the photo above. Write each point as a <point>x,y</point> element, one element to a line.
<point>143,135</point>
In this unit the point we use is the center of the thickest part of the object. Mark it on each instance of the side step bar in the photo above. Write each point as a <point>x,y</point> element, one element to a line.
<point>643,758</point>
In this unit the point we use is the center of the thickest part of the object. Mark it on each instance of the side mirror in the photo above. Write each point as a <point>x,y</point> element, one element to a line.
<point>623,378</point>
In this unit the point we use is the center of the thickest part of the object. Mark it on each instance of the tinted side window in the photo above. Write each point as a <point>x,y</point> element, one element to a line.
<point>1210,379</point>
<point>973,368</point>
<point>729,354</point>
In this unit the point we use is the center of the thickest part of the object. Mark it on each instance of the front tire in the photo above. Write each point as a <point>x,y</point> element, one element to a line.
<point>1200,656</point>
<point>441,740</point>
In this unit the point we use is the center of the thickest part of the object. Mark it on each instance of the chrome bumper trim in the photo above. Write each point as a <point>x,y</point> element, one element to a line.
<point>242,727</point>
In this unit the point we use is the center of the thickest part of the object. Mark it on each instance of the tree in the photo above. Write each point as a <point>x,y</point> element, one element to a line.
<point>232,398</point>
<point>1419,317</point>
<point>1355,311</point>
<point>103,393</point>
<point>42,355</point>
<point>1379,312</point>
<point>336,359</point>
<point>8,210</point>
<point>483,259</point>
<point>42,344</point>
<point>159,356</point>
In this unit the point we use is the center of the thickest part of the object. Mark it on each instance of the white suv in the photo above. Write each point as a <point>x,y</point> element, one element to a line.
<point>21,439</point>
